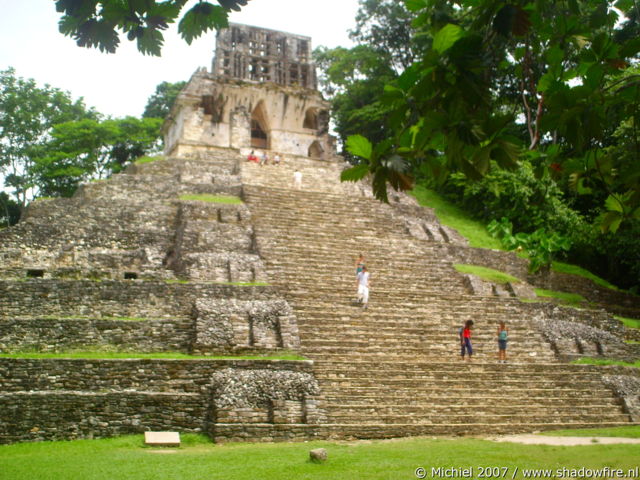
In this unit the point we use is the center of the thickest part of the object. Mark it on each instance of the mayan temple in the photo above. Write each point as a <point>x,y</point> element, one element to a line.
<point>207,254</point>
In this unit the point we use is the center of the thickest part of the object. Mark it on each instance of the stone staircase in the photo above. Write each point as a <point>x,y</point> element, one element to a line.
<point>130,265</point>
<point>394,369</point>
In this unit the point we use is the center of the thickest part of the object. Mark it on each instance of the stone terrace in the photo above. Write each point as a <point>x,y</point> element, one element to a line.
<point>128,265</point>
<point>394,369</point>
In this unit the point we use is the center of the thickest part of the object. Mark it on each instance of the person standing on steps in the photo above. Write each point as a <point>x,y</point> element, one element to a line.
<point>359,264</point>
<point>465,340</point>
<point>363,282</point>
<point>297,180</point>
<point>503,335</point>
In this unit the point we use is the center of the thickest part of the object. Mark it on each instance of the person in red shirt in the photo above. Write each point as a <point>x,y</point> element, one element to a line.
<point>465,339</point>
<point>252,157</point>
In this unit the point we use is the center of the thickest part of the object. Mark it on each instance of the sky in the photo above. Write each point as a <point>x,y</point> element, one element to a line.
<point>120,84</point>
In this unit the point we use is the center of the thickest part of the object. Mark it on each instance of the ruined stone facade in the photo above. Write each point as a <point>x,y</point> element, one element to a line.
<point>261,96</point>
<point>262,55</point>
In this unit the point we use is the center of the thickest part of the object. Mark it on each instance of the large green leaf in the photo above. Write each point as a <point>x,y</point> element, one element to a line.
<point>611,222</point>
<point>354,174</point>
<point>201,18</point>
<point>232,4</point>
<point>150,41</point>
<point>613,204</point>
<point>359,146</point>
<point>446,37</point>
<point>415,5</point>
<point>97,33</point>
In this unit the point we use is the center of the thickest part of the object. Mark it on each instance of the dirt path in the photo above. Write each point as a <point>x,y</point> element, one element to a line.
<point>566,441</point>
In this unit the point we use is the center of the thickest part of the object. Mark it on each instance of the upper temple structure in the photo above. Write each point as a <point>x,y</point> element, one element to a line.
<point>261,94</point>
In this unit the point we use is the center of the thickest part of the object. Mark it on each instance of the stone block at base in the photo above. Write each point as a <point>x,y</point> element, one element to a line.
<point>162,439</point>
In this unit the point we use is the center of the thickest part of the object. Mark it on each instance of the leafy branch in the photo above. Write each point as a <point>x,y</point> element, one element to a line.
<point>96,23</point>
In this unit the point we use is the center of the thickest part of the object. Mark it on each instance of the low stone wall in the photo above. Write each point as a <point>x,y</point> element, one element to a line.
<point>155,317</point>
<point>140,299</point>
<point>625,382</point>
<point>37,416</point>
<point>223,324</point>
<point>53,335</point>
<point>599,319</point>
<point>65,399</point>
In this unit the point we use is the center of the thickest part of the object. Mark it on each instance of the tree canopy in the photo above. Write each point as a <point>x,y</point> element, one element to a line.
<point>50,143</point>
<point>97,23</point>
<point>91,149</point>
<point>559,71</point>
<point>525,113</point>
<point>27,115</point>
<point>159,104</point>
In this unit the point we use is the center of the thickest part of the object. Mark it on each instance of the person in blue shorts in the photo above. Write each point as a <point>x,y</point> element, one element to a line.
<point>503,336</point>
<point>465,339</point>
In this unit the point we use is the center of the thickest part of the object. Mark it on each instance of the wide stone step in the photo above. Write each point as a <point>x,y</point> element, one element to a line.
<point>452,356</point>
<point>418,368</point>
<point>476,417</point>
<point>386,329</point>
<point>504,372</point>
<point>410,344</point>
<point>380,384</point>
<point>357,407</point>
<point>425,318</point>
<point>283,432</point>
<point>443,399</point>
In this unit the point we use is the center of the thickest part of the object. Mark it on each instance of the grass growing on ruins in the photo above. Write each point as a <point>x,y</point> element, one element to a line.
<point>606,361</point>
<point>198,458</point>
<point>452,216</point>
<point>488,274</point>
<point>629,322</point>
<point>209,282</point>
<point>476,233</point>
<point>632,431</point>
<point>581,272</point>
<point>105,355</point>
<point>206,197</point>
<point>571,299</point>
<point>146,159</point>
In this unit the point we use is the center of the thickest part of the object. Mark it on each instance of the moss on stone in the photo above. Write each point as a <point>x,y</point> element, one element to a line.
<point>629,322</point>
<point>206,197</point>
<point>209,282</point>
<point>488,274</point>
<point>145,159</point>
<point>107,355</point>
<point>572,299</point>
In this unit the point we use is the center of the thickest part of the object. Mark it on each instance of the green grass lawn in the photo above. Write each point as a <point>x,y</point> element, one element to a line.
<point>488,274</point>
<point>211,282</point>
<point>629,322</point>
<point>604,361</point>
<point>572,299</point>
<point>206,197</point>
<point>147,159</point>
<point>632,431</point>
<point>581,272</point>
<point>452,216</point>
<point>476,233</point>
<point>98,355</point>
<point>198,459</point>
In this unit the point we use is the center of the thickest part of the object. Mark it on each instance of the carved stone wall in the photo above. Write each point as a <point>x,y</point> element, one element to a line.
<point>281,111</point>
<point>262,55</point>
<point>67,399</point>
